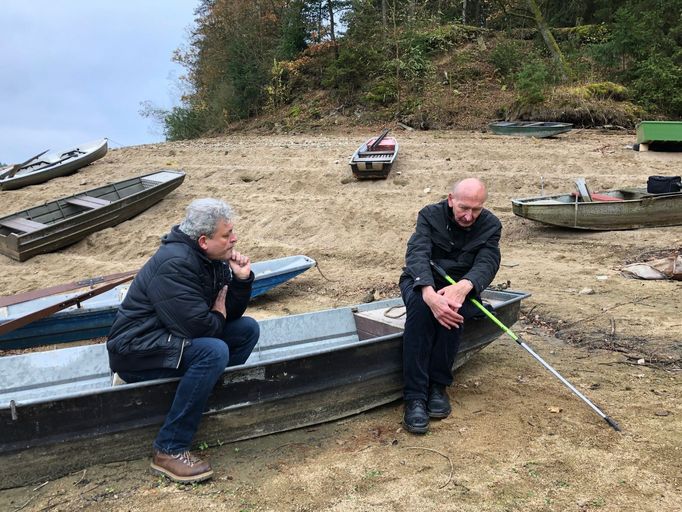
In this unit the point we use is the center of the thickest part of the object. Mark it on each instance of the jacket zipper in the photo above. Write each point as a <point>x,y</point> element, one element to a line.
<point>182,349</point>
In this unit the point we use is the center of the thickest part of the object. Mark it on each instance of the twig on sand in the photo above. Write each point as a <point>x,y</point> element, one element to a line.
<point>41,485</point>
<point>604,310</point>
<point>81,478</point>
<point>439,453</point>
<point>27,502</point>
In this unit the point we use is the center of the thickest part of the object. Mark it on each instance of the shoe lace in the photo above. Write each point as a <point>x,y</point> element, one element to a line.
<point>187,458</point>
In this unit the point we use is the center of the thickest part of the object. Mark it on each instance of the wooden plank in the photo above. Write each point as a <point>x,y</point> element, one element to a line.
<point>380,322</point>
<point>88,201</point>
<point>21,224</point>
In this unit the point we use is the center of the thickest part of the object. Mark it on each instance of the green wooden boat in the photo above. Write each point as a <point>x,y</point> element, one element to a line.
<point>659,131</point>
<point>538,129</point>
<point>625,208</point>
<point>61,222</point>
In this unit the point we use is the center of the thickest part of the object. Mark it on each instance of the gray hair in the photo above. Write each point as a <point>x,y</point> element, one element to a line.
<point>203,217</point>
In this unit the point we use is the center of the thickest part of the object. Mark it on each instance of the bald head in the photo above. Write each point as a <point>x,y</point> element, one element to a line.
<point>466,200</point>
<point>472,188</point>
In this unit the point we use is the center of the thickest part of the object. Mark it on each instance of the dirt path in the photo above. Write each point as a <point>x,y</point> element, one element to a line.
<point>517,439</point>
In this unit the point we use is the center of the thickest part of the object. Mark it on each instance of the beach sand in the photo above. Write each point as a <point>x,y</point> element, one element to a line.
<point>517,439</point>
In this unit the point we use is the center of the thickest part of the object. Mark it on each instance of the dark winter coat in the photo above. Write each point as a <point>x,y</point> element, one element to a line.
<point>169,302</point>
<point>464,253</point>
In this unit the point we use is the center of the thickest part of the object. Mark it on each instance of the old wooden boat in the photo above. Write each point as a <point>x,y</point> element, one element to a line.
<point>59,223</point>
<point>93,317</point>
<point>374,158</point>
<point>539,129</point>
<point>659,136</point>
<point>625,208</point>
<point>49,165</point>
<point>59,412</point>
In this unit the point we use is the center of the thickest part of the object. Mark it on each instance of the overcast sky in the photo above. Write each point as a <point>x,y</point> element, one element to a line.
<point>72,71</point>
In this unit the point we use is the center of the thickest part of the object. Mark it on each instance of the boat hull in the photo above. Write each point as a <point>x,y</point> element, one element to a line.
<point>305,370</point>
<point>649,210</point>
<point>63,232</point>
<point>93,152</point>
<point>93,318</point>
<point>659,131</point>
<point>539,130</point>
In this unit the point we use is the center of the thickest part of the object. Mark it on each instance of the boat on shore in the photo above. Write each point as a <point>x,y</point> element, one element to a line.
<point>59,412</point>
<point>624,208</point>
<point>374,158</point>
<point>64,221</point>
<point>93,317</point>
<point>538,129</point>
<point>48,165</point>
<point>659,136</point>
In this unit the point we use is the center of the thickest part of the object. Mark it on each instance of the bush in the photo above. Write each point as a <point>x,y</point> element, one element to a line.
<point>183,123</point>
<point>657,85</point>
<point>531,82</point>
<point>506,57</point>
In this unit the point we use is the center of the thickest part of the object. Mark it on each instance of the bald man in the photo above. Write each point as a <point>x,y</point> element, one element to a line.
<point>463,238</point>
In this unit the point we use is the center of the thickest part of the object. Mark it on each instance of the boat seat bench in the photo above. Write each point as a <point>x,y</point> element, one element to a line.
<point>21,224</point>
<point>87,201</point>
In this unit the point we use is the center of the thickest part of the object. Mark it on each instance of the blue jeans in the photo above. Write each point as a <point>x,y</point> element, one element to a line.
<point>203,361</point>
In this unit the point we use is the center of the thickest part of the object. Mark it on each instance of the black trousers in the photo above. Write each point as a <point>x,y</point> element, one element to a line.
<point>429,349</point>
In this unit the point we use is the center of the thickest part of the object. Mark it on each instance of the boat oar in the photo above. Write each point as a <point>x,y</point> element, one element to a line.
<point>15,168</point>
<point>11,325</point>
<point>518,340</point>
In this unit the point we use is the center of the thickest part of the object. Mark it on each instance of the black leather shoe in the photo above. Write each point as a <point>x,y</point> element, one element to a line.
<point>416,420</point>
<point>439,402</point>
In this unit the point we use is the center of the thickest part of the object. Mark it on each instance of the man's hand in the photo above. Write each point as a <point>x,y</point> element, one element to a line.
<point>457,293</point>
<point>444,308</point>
<point>219,304</point>
<point>240,265</point>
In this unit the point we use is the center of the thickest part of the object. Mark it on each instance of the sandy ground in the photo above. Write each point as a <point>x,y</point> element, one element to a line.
<point>517,439</point>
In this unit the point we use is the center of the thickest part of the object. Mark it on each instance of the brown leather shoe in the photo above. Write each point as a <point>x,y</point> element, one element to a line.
<point>182,467</point>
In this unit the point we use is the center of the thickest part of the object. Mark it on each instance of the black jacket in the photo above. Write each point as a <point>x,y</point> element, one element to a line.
<point>464,253</point>
<point>169,302</point>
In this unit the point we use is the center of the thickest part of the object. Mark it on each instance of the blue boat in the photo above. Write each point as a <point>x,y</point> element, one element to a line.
<point>93,317</point>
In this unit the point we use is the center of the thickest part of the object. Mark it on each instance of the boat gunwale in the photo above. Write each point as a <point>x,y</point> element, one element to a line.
<point>514,296</point>
<point>645,196</point>
<point>113,206</point>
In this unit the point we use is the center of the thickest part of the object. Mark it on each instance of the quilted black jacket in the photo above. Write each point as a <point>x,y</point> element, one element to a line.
<point>170,301</point>
<point>464,253</point>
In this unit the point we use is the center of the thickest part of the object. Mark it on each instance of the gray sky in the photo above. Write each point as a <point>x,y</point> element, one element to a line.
<point>72,71</point>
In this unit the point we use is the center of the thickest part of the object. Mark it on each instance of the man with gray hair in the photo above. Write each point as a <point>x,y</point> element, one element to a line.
<point>182,317</point>
<point>463,238</point>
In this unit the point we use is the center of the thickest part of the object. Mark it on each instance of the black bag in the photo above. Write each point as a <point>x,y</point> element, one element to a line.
<point>663,184</point>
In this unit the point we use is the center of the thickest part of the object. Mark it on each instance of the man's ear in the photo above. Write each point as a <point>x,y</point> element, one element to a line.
<point>450,199</point>
<point>202,242</point>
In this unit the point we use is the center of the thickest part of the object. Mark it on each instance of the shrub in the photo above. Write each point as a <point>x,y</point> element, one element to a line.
<point>506,57</point>
<point>531,82</point>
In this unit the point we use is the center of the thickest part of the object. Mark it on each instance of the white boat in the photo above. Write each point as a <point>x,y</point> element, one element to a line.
<point>48,165</point>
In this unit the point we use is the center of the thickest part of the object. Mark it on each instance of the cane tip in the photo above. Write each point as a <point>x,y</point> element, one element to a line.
<point>613,423</point>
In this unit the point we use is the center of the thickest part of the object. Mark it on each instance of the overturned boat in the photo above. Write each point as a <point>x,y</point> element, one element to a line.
<point>59,412</point>
<point>93,317</point>
<point>537,129</point>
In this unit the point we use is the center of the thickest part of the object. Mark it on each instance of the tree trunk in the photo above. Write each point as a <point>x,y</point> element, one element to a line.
<point>332,35</point>
<point>384,15</point>
<point>464,12</point>
<point>551,43</point>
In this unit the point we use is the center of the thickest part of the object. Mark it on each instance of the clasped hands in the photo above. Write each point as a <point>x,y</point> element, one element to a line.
<point>445,303</point>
